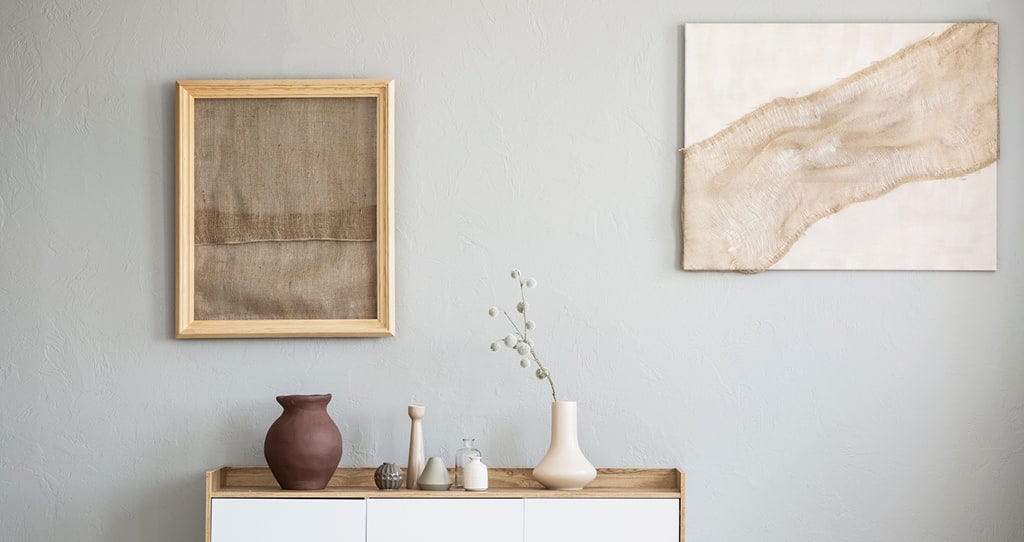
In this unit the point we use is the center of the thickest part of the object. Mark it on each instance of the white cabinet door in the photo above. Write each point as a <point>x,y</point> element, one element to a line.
<point>444,520</point>
<point>602,520</point>
<point>273,520</point>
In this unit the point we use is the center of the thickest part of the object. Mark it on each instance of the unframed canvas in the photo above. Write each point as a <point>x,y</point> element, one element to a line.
<point>840,146</point>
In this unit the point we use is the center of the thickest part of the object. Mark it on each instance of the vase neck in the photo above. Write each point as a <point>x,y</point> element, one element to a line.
<point>563,424</point>
<point>304,402</point>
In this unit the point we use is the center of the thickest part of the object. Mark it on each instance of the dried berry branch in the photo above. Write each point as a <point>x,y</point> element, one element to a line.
<point>519,341</point>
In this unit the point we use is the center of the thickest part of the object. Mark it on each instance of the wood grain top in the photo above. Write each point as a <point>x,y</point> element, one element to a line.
<point>505,483</point>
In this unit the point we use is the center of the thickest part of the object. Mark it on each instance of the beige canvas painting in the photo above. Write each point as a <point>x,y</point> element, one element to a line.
<point>285,213</point>
<point>285,208</point>
<point>840,146</point>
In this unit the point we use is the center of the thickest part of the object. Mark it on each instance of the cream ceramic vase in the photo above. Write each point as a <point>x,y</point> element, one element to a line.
<point>475,475</point>
<point>564,466</point>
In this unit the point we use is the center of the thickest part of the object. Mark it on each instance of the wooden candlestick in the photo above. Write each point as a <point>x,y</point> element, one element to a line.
<point>416,461</point>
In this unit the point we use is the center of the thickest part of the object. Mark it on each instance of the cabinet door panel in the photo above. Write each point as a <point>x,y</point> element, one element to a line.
<point>442,520</point>
<point>602,520</point>
<point>274,520</point>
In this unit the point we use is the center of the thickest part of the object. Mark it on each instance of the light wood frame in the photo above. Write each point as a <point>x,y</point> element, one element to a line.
<point>503,482</point>
<point>186,326</point>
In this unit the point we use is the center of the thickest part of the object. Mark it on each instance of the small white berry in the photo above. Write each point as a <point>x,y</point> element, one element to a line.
<point>522,306</point>
<point>523,349</point>
<point>515,273</point>
<point>524,363</point>
<point>493,311</point>
<point>541,374</point>
<point>531,282</point>
<point>494,347</point>
<point>530,324</point>
<point>510,341</point>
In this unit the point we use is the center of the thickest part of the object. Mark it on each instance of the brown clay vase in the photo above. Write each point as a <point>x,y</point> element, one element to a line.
<point>303,447</point>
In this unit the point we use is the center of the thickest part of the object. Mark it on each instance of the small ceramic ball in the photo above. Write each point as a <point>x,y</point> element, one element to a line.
<point>388,476</point>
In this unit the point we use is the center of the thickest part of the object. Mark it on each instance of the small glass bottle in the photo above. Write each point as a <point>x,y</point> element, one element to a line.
<point>462,459</point>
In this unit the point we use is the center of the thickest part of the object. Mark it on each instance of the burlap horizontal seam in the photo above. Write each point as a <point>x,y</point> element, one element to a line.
<point>285,241</point>
<point>225,227</point>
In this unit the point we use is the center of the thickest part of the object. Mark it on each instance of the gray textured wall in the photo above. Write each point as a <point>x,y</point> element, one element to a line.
<point>804,405</point>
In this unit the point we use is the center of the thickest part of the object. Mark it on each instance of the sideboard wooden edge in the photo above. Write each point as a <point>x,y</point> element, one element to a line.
<point>681,477</point>
<point>352,482</point>
<point>214,481</point>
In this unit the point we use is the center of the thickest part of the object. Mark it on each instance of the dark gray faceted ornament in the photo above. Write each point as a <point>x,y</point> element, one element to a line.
<point>388,476</point>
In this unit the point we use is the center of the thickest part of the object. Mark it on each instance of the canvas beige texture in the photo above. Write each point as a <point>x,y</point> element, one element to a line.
<point>292,280</point>
<point>285,215</point>
<point>927,113</point>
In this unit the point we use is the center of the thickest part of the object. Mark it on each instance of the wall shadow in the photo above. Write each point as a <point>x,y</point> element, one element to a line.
<point>160,122</point>
<point>680,115</point>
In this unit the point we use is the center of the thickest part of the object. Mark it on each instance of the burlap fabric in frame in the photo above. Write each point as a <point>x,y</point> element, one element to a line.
<point>285,208</point>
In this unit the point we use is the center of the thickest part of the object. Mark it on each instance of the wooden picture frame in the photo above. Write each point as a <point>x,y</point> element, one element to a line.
<point>228,106</point>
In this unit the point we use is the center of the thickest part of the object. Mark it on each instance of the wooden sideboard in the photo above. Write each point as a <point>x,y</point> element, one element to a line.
<point>246,504</point>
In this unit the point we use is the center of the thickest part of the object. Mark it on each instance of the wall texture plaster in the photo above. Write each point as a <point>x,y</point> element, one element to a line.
<point>803,405</point>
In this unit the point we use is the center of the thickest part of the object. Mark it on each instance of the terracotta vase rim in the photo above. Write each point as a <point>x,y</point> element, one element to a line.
<point>299,399</point>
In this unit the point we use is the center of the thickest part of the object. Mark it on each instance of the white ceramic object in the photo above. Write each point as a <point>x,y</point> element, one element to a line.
<point>475,474</point>
<point>564,466</point>
<point>415,466</point>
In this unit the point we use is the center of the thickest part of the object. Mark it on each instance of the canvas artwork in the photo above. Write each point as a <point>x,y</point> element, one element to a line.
<point>285,208</point>
<point>840,146</point>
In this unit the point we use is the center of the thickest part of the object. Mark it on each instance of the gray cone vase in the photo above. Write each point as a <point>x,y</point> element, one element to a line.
<point>303,447</point>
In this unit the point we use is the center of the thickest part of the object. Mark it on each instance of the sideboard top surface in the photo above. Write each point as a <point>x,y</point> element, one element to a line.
<point>505,483</point>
